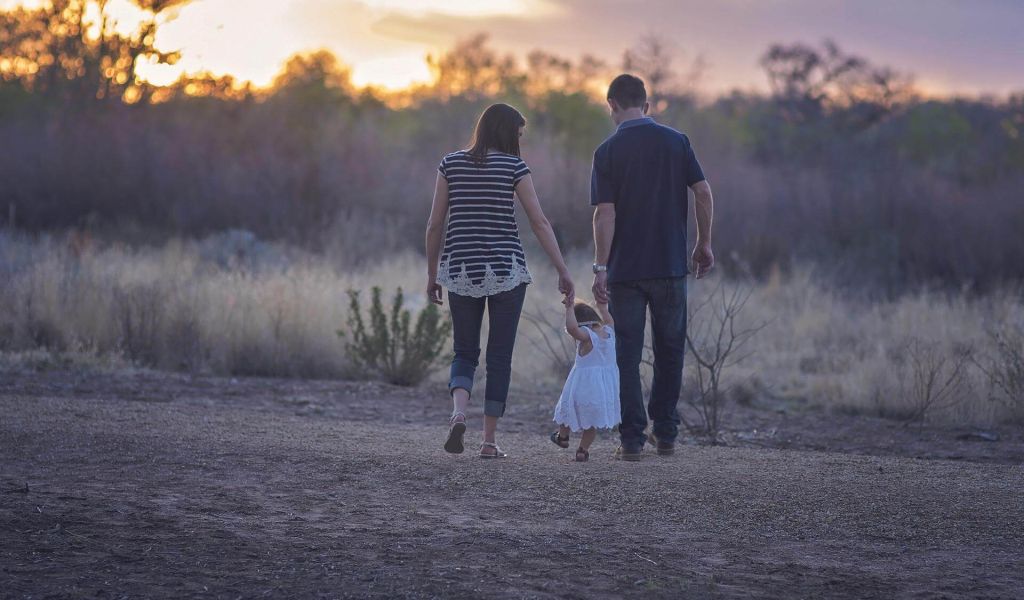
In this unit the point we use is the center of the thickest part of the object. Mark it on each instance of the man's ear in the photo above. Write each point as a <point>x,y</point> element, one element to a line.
<point>647,107</point>
<point>613,105</point>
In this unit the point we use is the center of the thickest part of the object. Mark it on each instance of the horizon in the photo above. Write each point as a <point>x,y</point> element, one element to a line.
<point>386,43</point>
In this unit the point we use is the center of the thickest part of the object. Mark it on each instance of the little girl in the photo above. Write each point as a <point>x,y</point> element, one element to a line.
<point>590,399</point>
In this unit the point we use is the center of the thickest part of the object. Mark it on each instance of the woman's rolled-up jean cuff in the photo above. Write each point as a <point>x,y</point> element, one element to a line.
<point>493,408</point>
<point>461,381</point>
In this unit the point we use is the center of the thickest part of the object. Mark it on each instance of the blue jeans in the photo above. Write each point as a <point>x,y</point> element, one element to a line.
<point>503,312</point>
<point>628,305</point>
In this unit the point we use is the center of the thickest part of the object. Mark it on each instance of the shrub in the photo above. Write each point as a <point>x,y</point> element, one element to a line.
<point>937,377</point>
<point>388,349</point>
<point>1004,366</point>
<point>548,339</point>
<point>716,341</point>
<point>140,312</point>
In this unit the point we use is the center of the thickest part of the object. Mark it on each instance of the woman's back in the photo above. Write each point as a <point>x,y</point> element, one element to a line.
<point>482,252</point>
<point>602,349</point>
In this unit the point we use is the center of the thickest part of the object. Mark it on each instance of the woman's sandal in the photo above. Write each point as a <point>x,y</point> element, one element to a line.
<point>561,442</point>
<point>584,453</point>
<point>498,453</point>
<point>454,445</point>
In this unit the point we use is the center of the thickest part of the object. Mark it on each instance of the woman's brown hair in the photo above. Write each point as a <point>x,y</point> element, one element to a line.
<point>585,313</point>
<point>497,129</point>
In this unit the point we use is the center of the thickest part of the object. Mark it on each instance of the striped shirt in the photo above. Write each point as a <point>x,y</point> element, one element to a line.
<point>482,253</point>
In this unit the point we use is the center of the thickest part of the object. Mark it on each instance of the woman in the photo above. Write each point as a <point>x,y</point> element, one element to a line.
<point>482,261</point>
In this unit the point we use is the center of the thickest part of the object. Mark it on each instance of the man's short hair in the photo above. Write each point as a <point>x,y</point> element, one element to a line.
<point>627,91</point>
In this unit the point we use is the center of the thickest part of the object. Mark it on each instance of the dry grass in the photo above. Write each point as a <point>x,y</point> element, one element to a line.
<point>853,355</point>
<point>232,305</point>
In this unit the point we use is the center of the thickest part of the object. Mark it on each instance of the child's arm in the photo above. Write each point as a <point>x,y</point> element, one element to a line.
<point>571,325</point>
<point>602,309</point>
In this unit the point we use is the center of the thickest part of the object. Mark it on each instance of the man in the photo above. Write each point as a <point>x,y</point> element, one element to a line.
<point>638,186</point>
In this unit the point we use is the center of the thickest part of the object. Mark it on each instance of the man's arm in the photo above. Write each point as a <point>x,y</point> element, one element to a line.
<point>703,211</point>
<point>604,231</point>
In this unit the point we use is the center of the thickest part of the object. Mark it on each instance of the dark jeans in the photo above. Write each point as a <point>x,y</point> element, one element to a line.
<point>503,319</point>
<point>628,305</point>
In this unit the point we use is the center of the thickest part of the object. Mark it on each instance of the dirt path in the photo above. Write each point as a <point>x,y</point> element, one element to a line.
<point>167,487</point>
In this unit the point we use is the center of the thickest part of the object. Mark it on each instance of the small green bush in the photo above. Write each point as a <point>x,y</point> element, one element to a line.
<point>388,348</point>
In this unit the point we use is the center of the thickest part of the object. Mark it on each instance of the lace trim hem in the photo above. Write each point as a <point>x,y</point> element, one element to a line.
<point>491,284</point>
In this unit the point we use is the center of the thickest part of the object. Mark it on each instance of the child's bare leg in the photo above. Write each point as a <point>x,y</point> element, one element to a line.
<point>583,452</point>
<point>561,437</point>
<point>587,438</point>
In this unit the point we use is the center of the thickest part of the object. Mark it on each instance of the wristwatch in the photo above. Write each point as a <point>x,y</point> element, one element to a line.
<point>600,268</point>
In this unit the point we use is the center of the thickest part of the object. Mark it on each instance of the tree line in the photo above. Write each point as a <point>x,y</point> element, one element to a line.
<point>843,163</point>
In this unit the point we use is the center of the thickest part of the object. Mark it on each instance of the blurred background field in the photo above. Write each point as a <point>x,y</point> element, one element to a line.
<point>232,305</point>
<point>211,226</point>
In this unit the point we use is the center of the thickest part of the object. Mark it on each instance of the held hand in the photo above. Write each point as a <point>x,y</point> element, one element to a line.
<point>565,286</point>
<point>567,301</point>
<point>434,292</point>
<point>600,288</point>
<point>703,259</point>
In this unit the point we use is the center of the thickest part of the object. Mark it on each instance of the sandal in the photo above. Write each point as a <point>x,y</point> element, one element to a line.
<point>498,452</point>
<point>561,442</point>
<point>584,453</point>
<point>454,445</point>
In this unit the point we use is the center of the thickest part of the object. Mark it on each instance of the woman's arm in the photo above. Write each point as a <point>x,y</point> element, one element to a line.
<point>571,325</point>
<point>545,234</point>
<point>602,309</point>
<point>435,229</point>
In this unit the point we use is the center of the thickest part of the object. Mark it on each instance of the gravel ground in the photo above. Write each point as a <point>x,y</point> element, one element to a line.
<point>164,486</point>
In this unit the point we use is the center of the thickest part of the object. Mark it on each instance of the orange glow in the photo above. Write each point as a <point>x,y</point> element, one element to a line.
<point>252,45</point>
<point>392,73</point>
<point>208,33</point>
<point>385,42</point>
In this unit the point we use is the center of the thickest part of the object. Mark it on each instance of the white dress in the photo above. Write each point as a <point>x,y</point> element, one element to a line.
<point>590,397</point>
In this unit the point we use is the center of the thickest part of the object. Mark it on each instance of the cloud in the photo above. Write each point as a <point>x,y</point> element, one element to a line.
<point>948,44</point>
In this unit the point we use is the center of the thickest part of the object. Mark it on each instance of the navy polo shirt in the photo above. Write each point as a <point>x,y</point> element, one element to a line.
<point>644,169</point>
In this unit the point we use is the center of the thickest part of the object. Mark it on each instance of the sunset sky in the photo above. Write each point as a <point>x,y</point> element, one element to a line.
<point>951,46</point>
